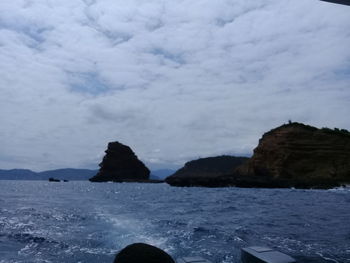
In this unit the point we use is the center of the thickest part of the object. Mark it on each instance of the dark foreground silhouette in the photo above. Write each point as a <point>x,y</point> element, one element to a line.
<point>142,253</point>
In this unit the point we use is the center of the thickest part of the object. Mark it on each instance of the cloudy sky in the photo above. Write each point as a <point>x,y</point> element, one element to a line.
<point>173,79</point>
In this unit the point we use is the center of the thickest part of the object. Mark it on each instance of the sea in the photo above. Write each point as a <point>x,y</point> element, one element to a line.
<point>90,222</point>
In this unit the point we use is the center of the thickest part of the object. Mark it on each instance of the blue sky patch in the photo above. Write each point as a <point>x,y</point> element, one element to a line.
<point>89,83</point>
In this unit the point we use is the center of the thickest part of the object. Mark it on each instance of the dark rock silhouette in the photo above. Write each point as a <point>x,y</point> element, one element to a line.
<point>142,253</point>
<point>206,171</point>
<point>297,155</point>
<point>120,164</point>
<point>68,174</point>
<point>54,180</point>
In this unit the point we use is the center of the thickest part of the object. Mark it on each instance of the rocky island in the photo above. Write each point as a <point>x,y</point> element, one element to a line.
<point>120,164</point>
<point>297,155</point>
<point>292,155</point>
<point>205,171</point>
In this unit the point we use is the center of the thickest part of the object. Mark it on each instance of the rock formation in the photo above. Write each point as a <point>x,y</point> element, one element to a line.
<point>54,180</point>
<point>205,172</point>
<point>120,164</point>
<point>297,155</point>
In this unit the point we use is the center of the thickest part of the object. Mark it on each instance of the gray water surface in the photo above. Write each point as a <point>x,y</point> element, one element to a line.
<point>90,222</point>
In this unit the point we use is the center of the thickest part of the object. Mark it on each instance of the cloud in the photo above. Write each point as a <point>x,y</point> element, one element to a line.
<point>175,80</point>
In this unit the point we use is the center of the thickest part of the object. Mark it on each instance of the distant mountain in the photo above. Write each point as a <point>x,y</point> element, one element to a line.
<point>161,174</point>
<point>18,174</point>
<point>62,174</point>
<point>67,174</point>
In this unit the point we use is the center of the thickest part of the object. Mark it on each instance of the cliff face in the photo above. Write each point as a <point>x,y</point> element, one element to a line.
<point>121,164</point>
<point>205,171</point>
<point>297,155</point>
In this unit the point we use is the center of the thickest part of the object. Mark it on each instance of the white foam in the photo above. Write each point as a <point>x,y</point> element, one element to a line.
<point>327,258</point>
<point>129,230</point>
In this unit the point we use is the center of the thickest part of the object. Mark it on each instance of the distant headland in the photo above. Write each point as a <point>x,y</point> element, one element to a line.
<point>292,155</point>
<point>70,174</point>
<point>205,171</point>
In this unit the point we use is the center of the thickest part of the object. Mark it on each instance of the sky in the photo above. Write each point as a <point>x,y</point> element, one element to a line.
<point>175,80</point>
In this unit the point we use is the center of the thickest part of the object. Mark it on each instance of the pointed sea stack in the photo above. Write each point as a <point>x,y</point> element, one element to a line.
<point>120,164</point>
<point>300,156</point>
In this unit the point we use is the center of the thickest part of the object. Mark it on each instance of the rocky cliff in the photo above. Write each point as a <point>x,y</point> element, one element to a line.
<point>120,164</point>
<point>205,171</point>
<point>297,155</point>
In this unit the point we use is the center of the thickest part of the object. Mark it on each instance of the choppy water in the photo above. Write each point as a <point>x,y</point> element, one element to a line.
<point>86,222</point>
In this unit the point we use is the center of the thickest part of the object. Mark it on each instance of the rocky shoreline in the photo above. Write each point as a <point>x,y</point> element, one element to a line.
<point>293,155</point>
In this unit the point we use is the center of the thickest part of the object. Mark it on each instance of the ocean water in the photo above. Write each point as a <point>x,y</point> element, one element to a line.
<point>91,222</point>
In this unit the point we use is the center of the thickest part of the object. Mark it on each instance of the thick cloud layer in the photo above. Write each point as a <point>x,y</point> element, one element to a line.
<point>175,80</point>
